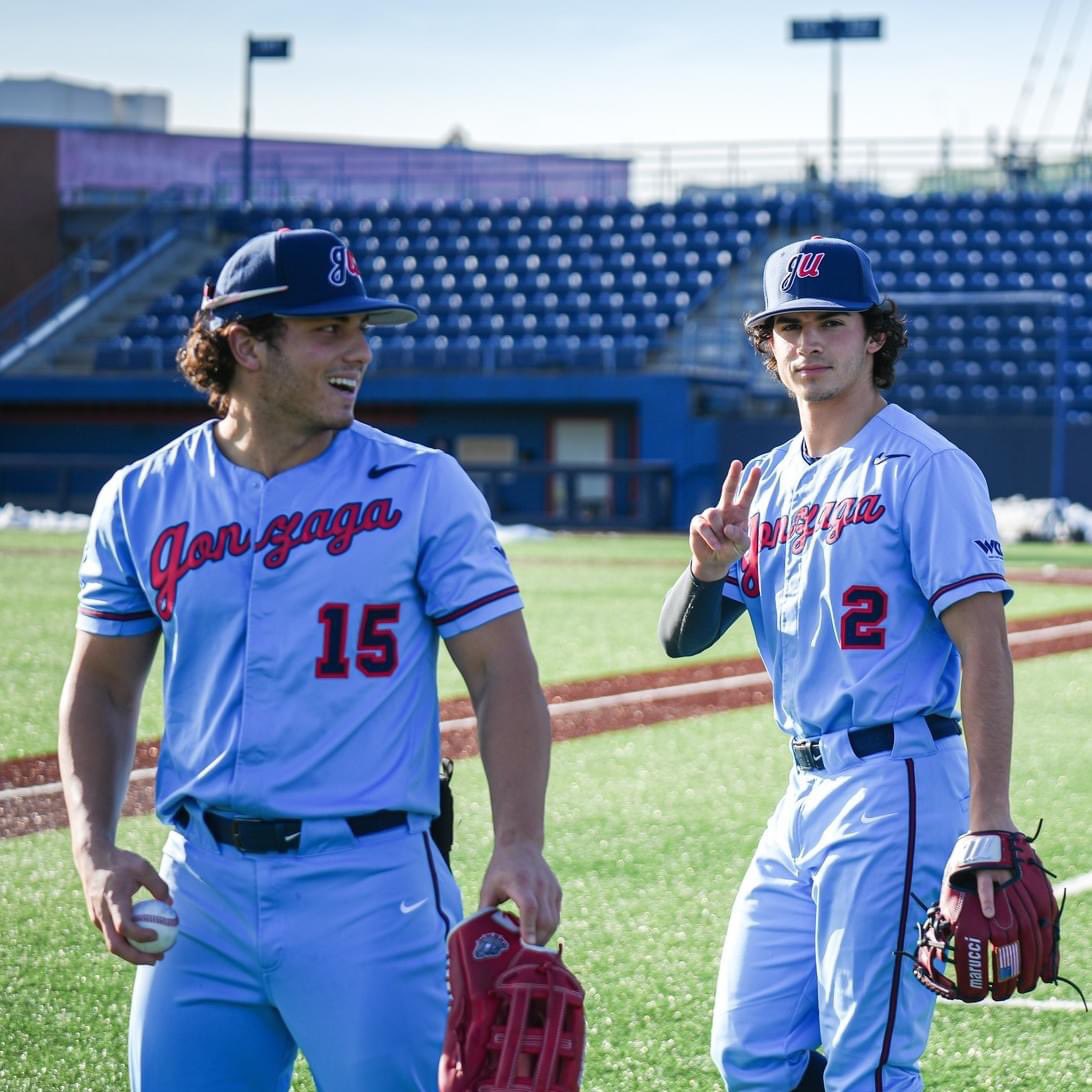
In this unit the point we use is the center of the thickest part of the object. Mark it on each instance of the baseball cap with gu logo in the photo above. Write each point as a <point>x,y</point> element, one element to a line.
<point>306,271</point>
<point>817,274</point>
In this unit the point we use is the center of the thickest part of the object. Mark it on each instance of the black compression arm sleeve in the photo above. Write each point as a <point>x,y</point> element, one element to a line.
<point>694,615</point>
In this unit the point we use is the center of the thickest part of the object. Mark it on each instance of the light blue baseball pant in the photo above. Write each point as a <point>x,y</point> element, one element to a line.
<point>810,954</point>
<point>338,950</point>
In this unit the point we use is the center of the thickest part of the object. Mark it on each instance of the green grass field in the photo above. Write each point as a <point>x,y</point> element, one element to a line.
<point>591,606</point>
<point>649,830</point>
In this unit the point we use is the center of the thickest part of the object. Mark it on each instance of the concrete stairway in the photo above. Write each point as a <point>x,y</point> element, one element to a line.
<point>713,341</point>
<point>71,349</point>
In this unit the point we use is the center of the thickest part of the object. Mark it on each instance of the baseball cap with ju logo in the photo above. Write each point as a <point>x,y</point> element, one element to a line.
<point>817,274</point>
<point>299,272</point>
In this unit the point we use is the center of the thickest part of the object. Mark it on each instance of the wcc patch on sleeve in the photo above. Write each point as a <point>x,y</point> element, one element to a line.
<point>990,547</point>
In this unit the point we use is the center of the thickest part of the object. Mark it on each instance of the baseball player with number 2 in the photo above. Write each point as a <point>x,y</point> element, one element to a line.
<point>301,568</point>
<point>866,554</point>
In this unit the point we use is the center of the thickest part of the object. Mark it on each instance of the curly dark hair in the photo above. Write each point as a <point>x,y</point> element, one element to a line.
<point>206,359</point>
<point>883,318</point>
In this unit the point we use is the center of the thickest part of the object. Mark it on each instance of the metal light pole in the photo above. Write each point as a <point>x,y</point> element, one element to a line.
<point>835,107</point>
<point>256,49</point>
<point>834,30</point>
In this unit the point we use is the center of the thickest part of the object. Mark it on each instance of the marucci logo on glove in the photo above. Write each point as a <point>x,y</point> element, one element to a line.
<point>974,962</point>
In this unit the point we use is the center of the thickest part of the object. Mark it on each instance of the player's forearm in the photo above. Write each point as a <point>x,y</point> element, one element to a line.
<point>977,627</point>
<point>514,733</point>
<point>95,751</point>
<point>695,614</point>
<point>499,668</point>
<point>987,705</point>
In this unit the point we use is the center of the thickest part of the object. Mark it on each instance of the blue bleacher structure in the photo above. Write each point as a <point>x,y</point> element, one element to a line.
<point>985,356</point>
<point>594,285</point>
<point>519,284</point>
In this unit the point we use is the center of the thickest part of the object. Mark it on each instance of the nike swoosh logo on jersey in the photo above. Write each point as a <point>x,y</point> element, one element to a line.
<point>379,471</point>
<point>884,456</point>
<point>409,907</point>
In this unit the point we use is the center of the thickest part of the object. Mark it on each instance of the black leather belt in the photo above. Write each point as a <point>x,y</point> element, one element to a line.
<point>808,753</point>
<point>283,835</point>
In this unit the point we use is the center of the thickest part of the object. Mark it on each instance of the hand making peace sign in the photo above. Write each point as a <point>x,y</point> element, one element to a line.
<point>718,536</point>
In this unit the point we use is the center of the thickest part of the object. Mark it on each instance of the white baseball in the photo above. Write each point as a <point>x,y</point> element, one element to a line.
<point>153,914</point>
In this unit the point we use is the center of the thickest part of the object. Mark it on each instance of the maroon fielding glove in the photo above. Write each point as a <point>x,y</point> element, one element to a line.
<point>992,957</point>
<point>516,1022</point>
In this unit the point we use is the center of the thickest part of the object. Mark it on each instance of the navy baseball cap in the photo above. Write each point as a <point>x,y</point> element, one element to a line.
<point>302,272</point>
<point>817,274</point>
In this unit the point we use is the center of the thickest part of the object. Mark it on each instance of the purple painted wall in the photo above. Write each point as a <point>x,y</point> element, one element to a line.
<point>103,165</point>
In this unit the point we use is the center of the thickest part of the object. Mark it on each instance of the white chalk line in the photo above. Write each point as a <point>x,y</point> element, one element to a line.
<point>1030,636</point>
<point>1076,886</point>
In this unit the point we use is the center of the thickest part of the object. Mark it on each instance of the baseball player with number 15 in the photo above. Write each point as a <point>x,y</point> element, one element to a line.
<point>301,568</point>
<point>866,554</point>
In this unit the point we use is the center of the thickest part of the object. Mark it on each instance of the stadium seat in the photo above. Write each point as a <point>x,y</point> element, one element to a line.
<point>112,355</point>
<point>146,354</point>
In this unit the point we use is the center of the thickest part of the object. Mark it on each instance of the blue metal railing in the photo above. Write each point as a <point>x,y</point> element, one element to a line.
<point>74,280</point>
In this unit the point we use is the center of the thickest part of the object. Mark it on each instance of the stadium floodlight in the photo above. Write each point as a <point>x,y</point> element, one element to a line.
<point>834,30</point>
<point>257,49</point>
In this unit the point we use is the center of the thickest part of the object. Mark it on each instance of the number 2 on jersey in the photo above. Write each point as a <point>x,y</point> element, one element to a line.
<point>376,646</point>
<point>861,626</point>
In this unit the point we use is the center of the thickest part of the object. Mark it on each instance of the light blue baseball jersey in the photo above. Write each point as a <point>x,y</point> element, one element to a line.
<point>894,526</point>
<point>301,616</point>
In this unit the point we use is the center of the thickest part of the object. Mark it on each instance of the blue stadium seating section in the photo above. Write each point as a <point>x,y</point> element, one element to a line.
<point>601,285</point>
<point>581,284</point>
<point>1003,356</point>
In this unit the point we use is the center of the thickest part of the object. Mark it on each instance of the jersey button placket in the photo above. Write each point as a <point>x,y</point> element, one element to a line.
<point>788,618</point>
<point>255,676</point>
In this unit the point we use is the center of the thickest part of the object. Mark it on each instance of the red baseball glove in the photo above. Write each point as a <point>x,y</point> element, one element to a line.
<point>516,1021</point>
<point>992,957</point>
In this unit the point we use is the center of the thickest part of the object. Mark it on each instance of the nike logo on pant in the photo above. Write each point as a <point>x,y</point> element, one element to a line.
<point>409,907</point>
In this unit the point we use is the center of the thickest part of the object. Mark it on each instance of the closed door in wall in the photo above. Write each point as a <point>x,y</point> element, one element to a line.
<point>579,441</point>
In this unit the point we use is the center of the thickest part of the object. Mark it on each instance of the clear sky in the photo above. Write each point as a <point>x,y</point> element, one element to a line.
<point>571,73</point>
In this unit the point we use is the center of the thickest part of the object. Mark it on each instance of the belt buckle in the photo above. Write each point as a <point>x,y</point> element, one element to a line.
<point>237,827</point>
<point>265,835</point>
<point>807,754</point>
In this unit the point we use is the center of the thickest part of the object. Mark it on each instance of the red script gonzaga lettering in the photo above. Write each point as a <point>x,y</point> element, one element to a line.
<point>175,554</point>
